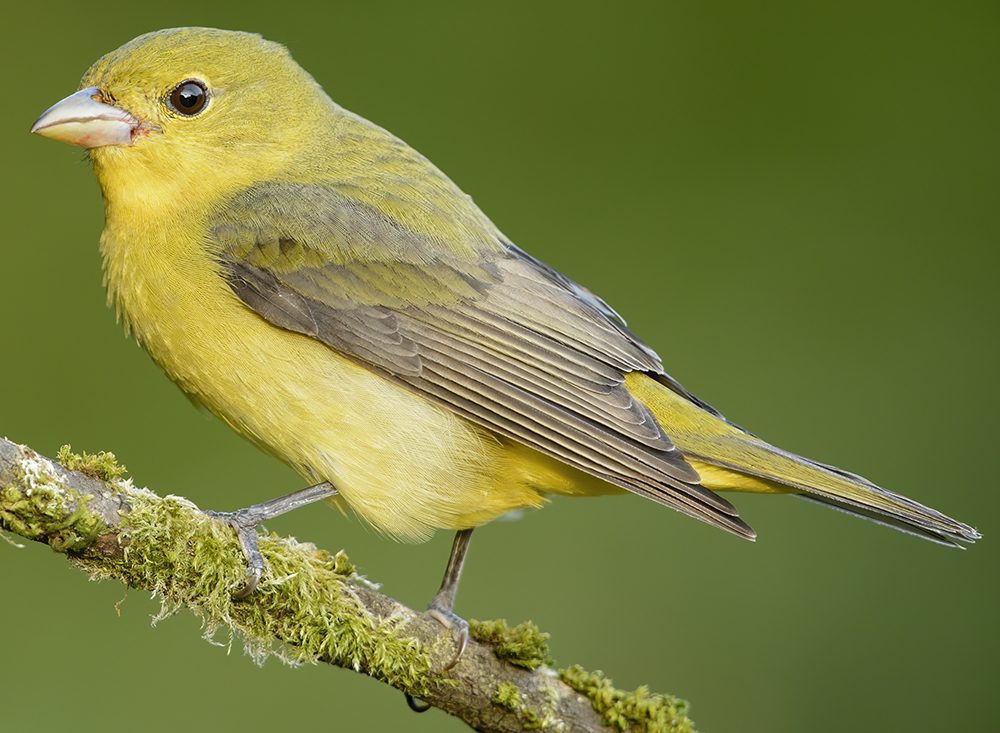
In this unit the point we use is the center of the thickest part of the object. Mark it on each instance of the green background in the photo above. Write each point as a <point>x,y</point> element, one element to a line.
<point>796,204</point>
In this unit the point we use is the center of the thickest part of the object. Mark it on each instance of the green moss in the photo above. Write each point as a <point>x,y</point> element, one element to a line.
<point>102,466</point>
<point>305,598</point>
<point>639,711</point>
<point>34,505</point>
<point>508,697</point>
<point>524,645</point>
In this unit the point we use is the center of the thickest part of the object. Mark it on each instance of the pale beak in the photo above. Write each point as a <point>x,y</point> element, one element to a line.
<point>81,120</point>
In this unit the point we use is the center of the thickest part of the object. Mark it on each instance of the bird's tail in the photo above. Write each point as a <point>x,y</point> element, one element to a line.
<point>729,459</point>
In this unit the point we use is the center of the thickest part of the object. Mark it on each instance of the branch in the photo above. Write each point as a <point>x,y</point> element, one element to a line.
<point>310,606</point>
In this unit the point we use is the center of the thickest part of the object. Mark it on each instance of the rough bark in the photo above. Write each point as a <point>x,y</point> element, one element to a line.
<point>310,605</point>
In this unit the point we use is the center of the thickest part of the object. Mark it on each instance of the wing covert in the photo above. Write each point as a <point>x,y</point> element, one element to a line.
<point>486,330</point>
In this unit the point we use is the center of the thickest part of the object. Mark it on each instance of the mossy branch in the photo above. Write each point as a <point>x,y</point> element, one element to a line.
<point>310,607</point>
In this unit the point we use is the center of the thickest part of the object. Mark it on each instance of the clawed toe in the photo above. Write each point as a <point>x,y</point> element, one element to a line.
<point>459,627</point>
<point>417,706</point>
<point>245,522</point>
<point>245,525</point>
<point>253,578</point>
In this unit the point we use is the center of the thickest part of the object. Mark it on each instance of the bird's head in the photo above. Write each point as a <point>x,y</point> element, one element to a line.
<point>191,103</point>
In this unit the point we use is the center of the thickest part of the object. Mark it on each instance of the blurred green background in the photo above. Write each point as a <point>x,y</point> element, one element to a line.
<point>795,204</point>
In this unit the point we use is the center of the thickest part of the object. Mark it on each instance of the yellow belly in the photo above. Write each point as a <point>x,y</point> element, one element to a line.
<point>401,462</point>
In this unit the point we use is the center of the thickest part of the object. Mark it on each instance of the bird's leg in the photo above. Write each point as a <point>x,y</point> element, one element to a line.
<point>440,607</point>
<point>245,522</point>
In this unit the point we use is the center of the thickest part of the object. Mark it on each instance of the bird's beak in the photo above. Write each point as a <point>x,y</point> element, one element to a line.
<point>82,120</point>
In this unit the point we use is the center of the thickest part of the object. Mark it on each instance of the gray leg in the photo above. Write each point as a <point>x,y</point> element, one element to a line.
<point>440,607</point>
<point>245,522</point>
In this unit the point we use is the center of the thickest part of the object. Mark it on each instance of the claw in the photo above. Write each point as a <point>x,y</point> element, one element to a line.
<point>417,706</point>
<point>253,578</point>
<point>458,625</point>
<point>440,607</point>
<point>245,522</point>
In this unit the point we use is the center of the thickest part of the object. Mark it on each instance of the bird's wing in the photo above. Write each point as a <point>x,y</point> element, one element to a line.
<point>489,332</point>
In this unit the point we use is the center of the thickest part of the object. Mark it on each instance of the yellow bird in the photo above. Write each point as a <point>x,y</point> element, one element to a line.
<point>336,299</point>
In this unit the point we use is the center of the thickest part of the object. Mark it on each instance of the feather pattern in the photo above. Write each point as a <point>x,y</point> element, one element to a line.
<point>495,335</point>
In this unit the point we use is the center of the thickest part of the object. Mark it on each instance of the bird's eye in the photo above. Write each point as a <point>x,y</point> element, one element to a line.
<point>188,98</point>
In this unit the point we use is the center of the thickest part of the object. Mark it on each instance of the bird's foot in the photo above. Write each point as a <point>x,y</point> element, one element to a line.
<point>439,609</point>
<point>245,522</point>
<point>458,626</point>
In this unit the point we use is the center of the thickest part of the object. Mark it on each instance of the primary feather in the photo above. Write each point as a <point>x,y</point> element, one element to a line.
<point>338,300</point>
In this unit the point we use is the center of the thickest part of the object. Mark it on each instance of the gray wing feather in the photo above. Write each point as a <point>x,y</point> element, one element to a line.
<point>502,339</point>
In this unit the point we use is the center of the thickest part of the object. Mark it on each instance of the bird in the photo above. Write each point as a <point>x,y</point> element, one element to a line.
<point>336,299</point>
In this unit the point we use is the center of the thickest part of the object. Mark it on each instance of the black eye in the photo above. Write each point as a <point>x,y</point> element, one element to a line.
<point>189,97</point>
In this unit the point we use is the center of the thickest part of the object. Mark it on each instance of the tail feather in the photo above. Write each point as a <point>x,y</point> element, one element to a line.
<point>948,539</point>
<point>892,510</point>
<point>730,459</point>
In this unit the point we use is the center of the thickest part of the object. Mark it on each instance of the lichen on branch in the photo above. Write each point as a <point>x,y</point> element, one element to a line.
<point>311,605</point>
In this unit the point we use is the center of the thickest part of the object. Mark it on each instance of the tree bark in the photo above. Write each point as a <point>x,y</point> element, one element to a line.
<point>310,606</point>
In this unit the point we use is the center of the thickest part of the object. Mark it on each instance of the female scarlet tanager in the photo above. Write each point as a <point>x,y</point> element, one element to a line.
<point>328,292</point>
